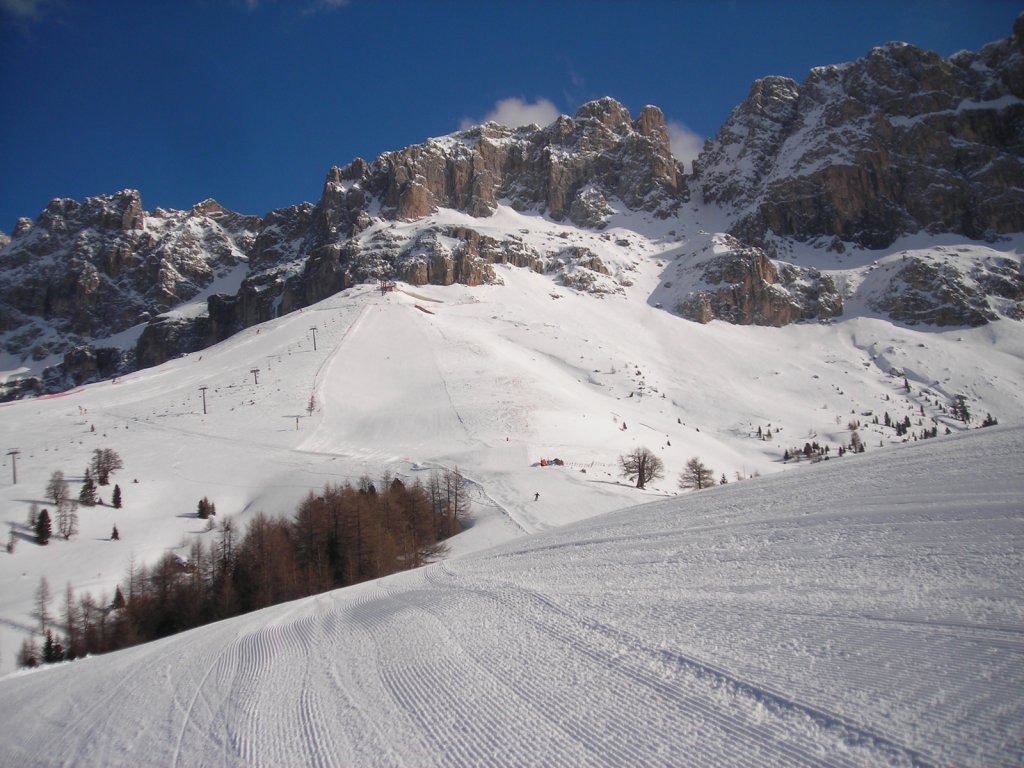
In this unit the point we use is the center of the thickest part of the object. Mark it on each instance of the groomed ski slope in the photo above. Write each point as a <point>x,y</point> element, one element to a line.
<point>490,379</point>
<point>857,612</point>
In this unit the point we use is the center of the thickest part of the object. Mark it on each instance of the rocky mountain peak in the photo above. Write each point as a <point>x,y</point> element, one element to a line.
<point>608,112</point>
<point>569,169</point>
<point>90,269</point>
<point>773,98</point>
<point>899,141</point>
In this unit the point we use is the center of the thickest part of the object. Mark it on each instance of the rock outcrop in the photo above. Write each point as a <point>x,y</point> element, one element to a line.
<point>574,169</point>
<point>569,169</point>
<point>741,285</point>
<point>900,141</point>
<point>944,288</point>
<point>88,270</point>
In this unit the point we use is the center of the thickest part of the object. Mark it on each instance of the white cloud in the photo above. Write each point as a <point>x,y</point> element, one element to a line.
<point>515,112</point>
<point>685,144</point>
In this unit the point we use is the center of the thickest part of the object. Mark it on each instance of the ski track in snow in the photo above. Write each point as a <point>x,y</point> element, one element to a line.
<point>866,611</point>
<point>814,618</point>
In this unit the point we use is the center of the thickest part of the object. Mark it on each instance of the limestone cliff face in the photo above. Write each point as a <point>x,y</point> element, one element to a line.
<point>566,170</point>
<point>87,270</point>
<point>942,288</point>
<point>574,169</point>
<point>900,141</point>
<point>741,285</point>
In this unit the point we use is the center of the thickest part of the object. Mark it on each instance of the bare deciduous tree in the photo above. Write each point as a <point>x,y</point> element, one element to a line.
<point>641,465</point>
<point>696,476</point>
<point>67,518</point>
<point>105,462</point>
<point>57,487</point>
<point>43,604</point>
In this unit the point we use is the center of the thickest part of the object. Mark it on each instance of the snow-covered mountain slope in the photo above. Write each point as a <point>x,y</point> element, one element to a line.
<point>544,309</point>
<point>898,143</point>
<point>491,378</point>
<point>861,612</point>
<point>85,271</point>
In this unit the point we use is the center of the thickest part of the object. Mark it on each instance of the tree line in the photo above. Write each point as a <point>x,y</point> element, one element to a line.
<point>344,535</point>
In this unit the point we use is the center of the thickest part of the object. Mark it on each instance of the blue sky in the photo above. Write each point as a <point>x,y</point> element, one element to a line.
<point>251,101</point>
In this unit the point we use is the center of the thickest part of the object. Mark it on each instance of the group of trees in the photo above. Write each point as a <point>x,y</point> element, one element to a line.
<point>641,466</point>
<point>104,463</point>
<point>342,536</point>
<point>812,451</point>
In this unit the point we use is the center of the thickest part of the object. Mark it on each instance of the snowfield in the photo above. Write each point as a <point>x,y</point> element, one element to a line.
<point>858,612</point>
<point>865,610</point>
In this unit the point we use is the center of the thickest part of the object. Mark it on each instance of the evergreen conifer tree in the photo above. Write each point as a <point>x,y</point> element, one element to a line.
<point>53,651</point>
<point>87,496</point>
<point>114,534</point>
<point>116,499</point>
<point>43,528</point>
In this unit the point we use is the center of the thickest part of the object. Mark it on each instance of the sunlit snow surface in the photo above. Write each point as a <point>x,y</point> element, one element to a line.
<point>863,612</point>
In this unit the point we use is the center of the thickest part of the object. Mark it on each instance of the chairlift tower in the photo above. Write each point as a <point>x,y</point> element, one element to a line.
<point>14,463</point>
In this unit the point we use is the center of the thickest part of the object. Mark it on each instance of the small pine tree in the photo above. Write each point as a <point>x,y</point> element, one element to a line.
<point>114,534</point>
<point>724,480</point>
<point>118,602</point>
<point>53,651</point>
<point>28,656</point>
<point>205,509</point>
<point>87,496</point>
<point>116,500</point>
<point>855,442</point>
<point>43,528</point>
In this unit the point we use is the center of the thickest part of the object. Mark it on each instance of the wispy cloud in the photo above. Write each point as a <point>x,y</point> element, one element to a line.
<point>515,112</point>
<point>685,144</point>
<point>27,10</point>
<point>309,8</point>
<point>319,6</point>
